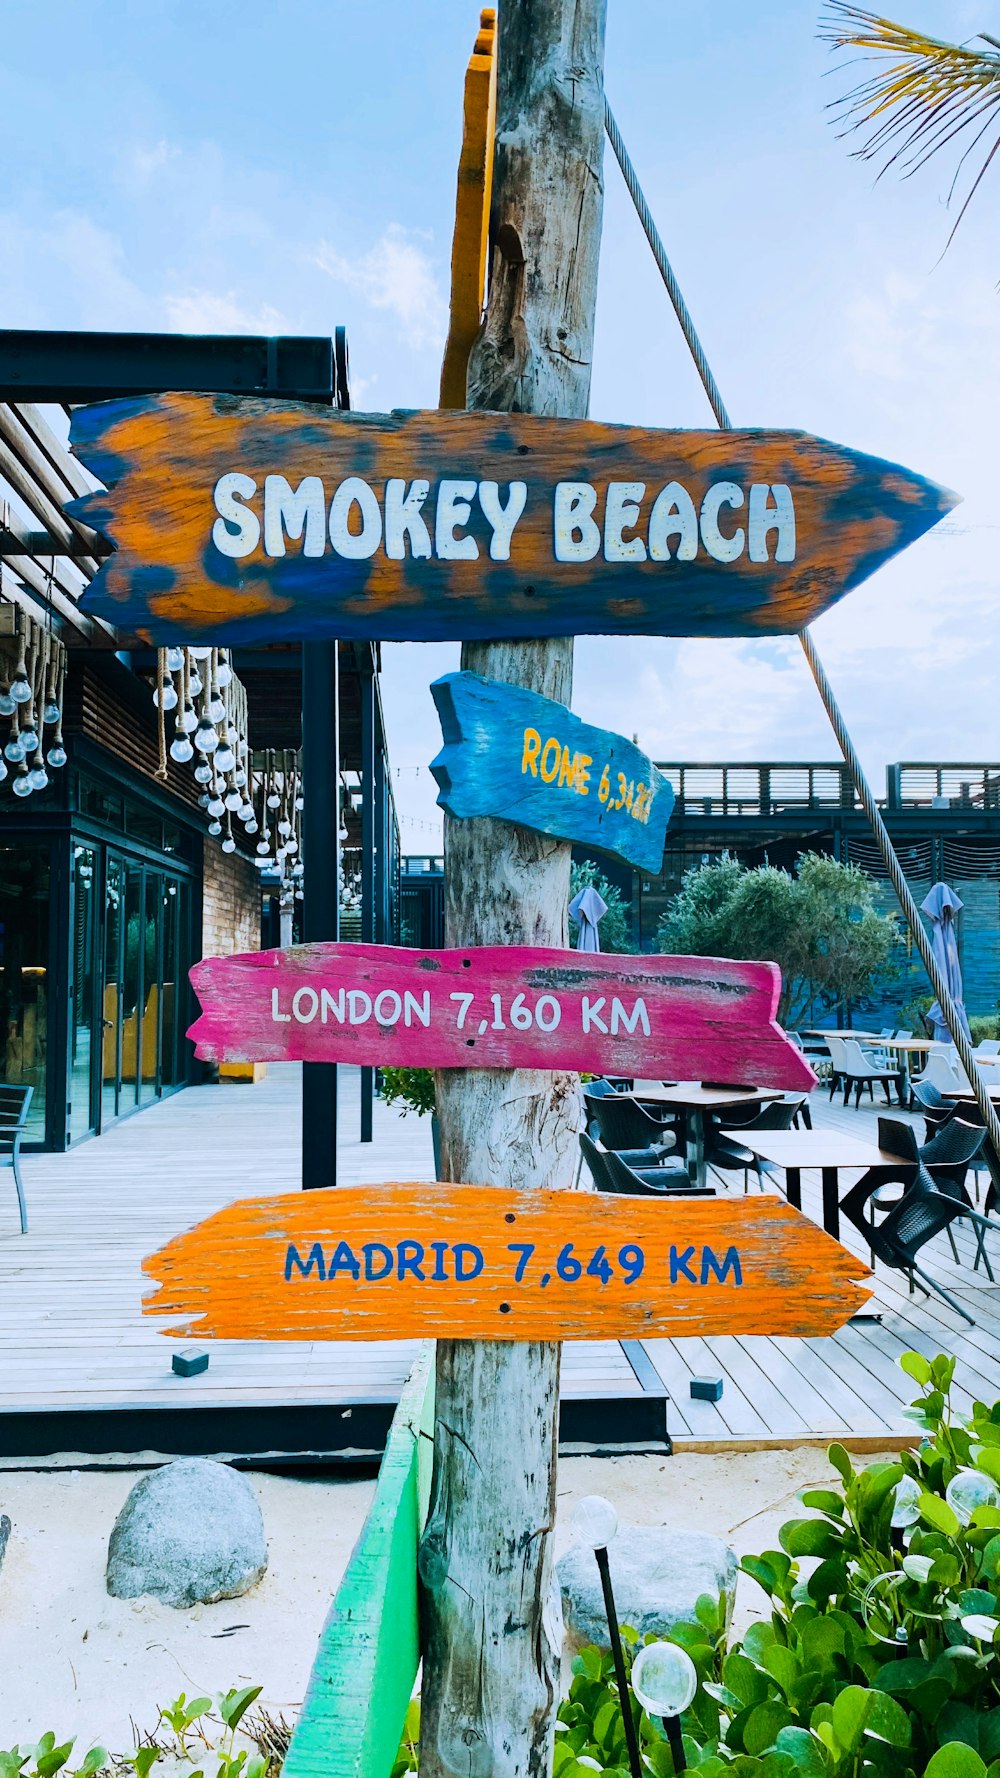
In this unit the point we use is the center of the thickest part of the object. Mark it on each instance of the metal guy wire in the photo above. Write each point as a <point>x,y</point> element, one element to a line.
<point>962,1043</point>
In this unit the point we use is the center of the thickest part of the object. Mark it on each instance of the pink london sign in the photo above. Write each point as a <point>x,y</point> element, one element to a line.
<point>690,1018</point>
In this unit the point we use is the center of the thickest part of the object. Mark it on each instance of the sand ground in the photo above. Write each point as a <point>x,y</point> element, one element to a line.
<point>76,1661</point>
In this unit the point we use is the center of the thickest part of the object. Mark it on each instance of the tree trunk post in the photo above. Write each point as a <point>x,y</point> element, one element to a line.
<point>491,1649</point>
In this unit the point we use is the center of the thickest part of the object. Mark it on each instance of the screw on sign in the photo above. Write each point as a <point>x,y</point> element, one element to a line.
<point>484,1262</point>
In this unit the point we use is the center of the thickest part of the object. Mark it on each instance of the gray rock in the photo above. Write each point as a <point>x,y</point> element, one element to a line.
<point>188,1533</point>
<point>657,1576</point>
<point>4,1535</point>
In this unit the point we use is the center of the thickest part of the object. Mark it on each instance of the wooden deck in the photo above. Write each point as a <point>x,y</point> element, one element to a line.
<point>78,1359</point>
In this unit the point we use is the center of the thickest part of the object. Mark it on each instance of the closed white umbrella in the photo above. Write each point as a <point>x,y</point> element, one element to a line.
<point>941,905</point>
<point>587,909</point>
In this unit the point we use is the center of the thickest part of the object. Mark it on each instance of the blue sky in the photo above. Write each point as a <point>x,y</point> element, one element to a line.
<point>223,167</point>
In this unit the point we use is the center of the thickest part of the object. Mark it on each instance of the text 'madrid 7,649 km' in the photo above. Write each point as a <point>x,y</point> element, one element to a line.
<point>245,520</point>
<point>485,1263</point>
<point>698,1018</point>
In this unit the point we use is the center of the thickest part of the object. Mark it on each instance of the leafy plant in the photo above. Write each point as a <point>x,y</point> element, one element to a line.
<point>412,1088</point>
<point>821,926</point>
<point>187,1721</point>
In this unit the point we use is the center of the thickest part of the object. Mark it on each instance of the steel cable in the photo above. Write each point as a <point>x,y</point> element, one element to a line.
<point>962,1043</point>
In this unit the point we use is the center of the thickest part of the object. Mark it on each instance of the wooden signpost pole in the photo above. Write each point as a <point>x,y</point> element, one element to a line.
<point>490,1668</point>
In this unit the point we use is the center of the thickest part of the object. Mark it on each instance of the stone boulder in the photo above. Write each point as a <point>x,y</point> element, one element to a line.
<point>189,1533</point>
<point>657,1576</point>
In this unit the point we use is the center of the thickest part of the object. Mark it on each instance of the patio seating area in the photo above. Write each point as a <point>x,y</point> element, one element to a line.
<point>74,1340</point>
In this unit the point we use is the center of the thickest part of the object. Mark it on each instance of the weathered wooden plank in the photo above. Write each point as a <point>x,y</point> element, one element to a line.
<point>490,1007</point>
<point>369,1649</point>
<point>472,211</point>
<point>247,520</point>
<point>481,1262</point>
<point>511,753</point>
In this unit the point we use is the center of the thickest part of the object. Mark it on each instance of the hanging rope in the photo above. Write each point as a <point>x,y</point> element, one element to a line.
<point>962,1043</point>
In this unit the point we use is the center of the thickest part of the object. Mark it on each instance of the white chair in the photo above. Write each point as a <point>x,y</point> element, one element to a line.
<point>941,1072</point>
<point>859,1071</point>
<point>989,1047</point>
<point>836,1047</point>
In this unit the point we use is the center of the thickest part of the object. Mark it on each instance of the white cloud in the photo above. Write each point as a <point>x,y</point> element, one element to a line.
<point>207,311</point>
<point>144,162</point>
<point>395,274</point>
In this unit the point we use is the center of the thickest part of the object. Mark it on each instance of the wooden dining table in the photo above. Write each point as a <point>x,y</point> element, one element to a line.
<point>694,1099</point>
<point>827,1151</point>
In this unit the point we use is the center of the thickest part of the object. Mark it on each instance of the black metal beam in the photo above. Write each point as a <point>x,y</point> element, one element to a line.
<point>77,367</point>
<point>368,880</point>
<point>321,904</point>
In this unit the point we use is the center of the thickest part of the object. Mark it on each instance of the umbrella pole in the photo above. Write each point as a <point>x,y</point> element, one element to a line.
<point>871,808</point>
<point>920,937</point>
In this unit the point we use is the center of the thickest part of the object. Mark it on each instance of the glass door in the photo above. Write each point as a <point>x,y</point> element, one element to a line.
<point>111,1021</point>
<point>83,1027</point>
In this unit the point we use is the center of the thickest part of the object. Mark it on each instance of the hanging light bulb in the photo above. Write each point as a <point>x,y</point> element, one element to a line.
<point>14,750</point>
<point>3,769</point>
<point>229,844</point>
<point>233,799</point>
<point>284,826</point>
<point>7,704</point>
<point>263,845</point>
<point>38,777</point>
<point>166,697</point>
<point>21,785</point>
<point>20,691</point>
<point>216,708</point>
<point>240,778</point>
<point>216,807</point>
<point>342,834</point>
<point>225,759</point>
<point>245,813</point>
<point>50,711</point>
<point>198,651</point>
<point>56,756</point>
<point>175,660</point>
<point>273,799</point>
<point>967,1490</point>
<point>195,687</point>
<point>244,748</point>
<point>29,737</point>
<point>181,749</point>
<point>224,672</point>
<point>204,800</point>
<point>215,827</point>
<point>187,721</point>
<point>206,740</point>
<point>203,772</point>
<point>299,869</point>
<point>299,804</point>
<point>291,844</point>
<point>251,824</point>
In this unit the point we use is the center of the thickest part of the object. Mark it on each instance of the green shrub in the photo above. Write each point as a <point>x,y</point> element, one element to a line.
<point>878,1660</point>
<point>202,1733</point>
<point>410,1088</point>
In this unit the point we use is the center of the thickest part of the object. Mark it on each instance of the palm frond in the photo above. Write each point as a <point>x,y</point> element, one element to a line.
<point>926,95</point>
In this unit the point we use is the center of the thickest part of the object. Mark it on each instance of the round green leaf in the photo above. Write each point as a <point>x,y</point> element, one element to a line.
<point>955,1760</point>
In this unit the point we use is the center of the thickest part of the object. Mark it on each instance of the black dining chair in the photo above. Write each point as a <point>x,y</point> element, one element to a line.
<point>15,1103</point>
<point>936,1108</point>
<point>921,1213</point>
<point>619,1123</point>
<point>726,1156</point>
<point>611,1173</point>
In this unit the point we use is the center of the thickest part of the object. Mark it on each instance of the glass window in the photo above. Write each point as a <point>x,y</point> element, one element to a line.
<point>131,986</point>
<point>82,1042</point>
<point>141,825</point>
<point>168,1021</point>
<point>24,959</point>
<point>100,804</point>
<point>149,1031</point>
